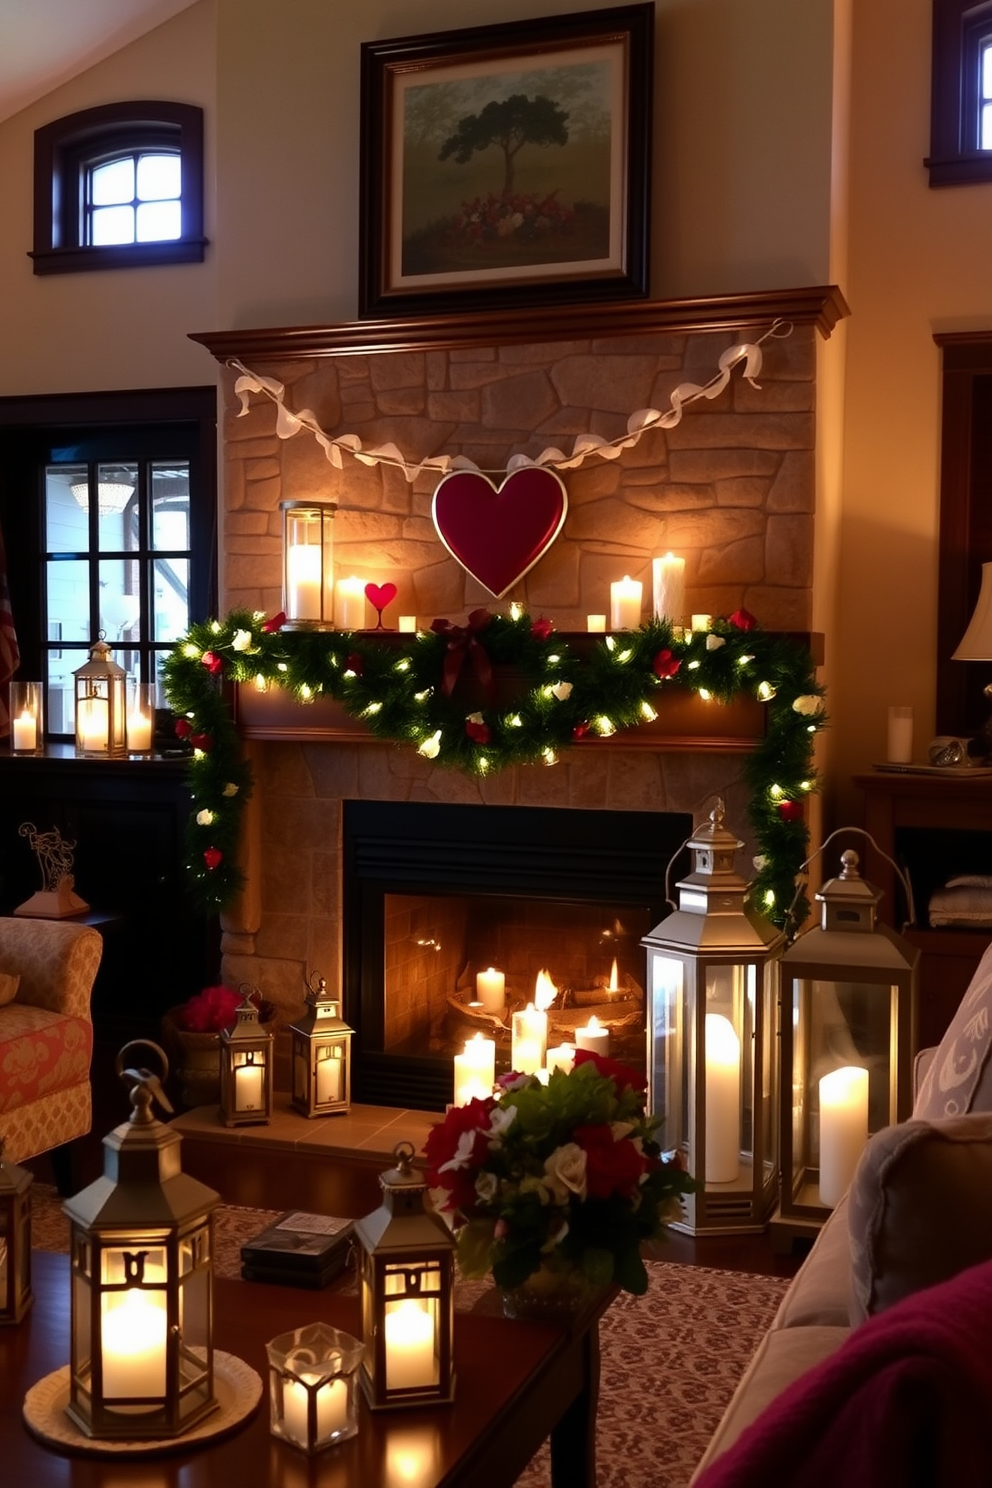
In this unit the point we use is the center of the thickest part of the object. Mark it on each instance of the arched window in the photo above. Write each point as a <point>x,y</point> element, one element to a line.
<point>119,185</point>
<point>961,93</point>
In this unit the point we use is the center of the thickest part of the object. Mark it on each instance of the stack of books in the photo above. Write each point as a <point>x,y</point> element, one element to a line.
<point>299,1249</point>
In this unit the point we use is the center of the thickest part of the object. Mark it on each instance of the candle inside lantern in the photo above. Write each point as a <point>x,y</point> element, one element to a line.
<point>529,1040</point>
<point>248,1087</point>
<point>843,1129</point>
<point>561,1057</point>
<point>625,603</point>
<point>490,987</point>
<point>409,1334</point>
<point>303,581</point>
<point>475,1070</point>
<point>93,724</point>
<point>349,604</point>
<point>723,1113</point>
<point>330,1077</point>
<point>25,731</point>
<point>668,583</point>
<point>332,1408</point>
<point>133,1340</point>
<point>595,1036</point>
<point>595,623</point>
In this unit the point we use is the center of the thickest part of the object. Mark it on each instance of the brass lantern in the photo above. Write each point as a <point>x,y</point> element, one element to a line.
<point>308,564</point>
<point>711,1052</point>
<point>321,1055</point>
<point>141,1256</point>
<point>101,705</point>
<point>406,1279</point>
<point>847,1031</point>
<point>246,1061</point>
<point>15,1240</point>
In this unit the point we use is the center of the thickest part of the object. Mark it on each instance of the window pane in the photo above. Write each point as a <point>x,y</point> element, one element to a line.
<point>112,225</point>
<point>113,182</point>
<point>170,507</point>
<point>987,71</point>
<point>158,176</point>
<point>66,503</point>
<point>986,143</point>
<point>170,588</point>
<point>116,491</point>
<point>159,222</point>
<point>69,599</point>
<point>120,603</point>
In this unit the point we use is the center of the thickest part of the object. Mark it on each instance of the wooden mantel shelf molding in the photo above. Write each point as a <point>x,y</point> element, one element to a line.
<point>820,305</point>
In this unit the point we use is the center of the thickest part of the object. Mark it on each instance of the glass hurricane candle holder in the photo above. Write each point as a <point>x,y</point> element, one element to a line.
<point>27,729</point>
<point>313,1396</point>
<point>140,721</point>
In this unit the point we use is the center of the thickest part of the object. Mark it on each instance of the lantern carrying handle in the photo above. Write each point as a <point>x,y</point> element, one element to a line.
<point>144,1085</point>
<point>315,983</point>
<point>900,873</point>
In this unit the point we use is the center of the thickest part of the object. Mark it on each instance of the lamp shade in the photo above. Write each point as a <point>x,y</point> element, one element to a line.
<point>976,643</point>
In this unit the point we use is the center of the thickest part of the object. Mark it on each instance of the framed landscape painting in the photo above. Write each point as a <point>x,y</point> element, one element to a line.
<point>507,165</point>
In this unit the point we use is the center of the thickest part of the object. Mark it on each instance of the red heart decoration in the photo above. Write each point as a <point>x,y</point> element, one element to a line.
<point>497,535</point>
<point>380,595</point>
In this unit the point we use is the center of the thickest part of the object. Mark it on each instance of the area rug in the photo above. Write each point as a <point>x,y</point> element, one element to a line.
<point>670,1359</point>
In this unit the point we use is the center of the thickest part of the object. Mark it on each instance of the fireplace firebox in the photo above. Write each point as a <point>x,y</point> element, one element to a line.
<point>435,896</point>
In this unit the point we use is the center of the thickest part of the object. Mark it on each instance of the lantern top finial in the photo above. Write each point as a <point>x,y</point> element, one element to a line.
<point>144,1085</point>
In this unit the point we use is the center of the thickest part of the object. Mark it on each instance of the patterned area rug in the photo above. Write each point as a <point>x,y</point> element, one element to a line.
<point>670,1360</point>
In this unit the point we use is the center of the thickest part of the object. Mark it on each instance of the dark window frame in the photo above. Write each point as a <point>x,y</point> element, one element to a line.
<point>62,151</point>
<point>959,29</point>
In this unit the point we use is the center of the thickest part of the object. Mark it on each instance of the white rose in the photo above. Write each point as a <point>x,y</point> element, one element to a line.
<point>204,818</point>
<point>562,691</point>
<point>487,1186</point>
<point>230,789</point>
<point>565,1172</point>
<point>714,642</point>
<point>808,705</point>
<point>501,1118</point>
<point>242,640</point>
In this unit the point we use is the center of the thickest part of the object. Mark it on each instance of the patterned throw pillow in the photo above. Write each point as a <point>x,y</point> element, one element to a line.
<point>8,987</point>
<point>960,1077</point>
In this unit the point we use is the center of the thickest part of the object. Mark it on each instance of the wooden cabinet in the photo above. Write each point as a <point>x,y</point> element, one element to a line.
<point>934,826</point>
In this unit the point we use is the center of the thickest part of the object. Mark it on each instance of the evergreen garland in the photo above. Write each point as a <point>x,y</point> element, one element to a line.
<point>403,687</point>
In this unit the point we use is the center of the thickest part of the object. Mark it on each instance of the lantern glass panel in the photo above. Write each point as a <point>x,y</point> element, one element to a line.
<point>134,1318</point>
<point>411,1315</point>
<point>669,1096</point>
<point>329,1073</point>
<point>3,1262</point>
<point>249,1080</point>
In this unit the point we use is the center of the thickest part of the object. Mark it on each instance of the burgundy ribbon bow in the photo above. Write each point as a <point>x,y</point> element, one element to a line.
<point>463,642</point>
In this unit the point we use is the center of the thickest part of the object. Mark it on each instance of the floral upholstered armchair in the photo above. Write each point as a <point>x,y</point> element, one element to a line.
<point>47,968</point>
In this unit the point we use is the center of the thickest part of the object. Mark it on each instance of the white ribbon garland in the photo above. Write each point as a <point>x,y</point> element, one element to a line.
<point>289,423</point>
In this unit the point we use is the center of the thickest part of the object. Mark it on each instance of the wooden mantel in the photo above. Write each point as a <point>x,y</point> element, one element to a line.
<point>822,306</point>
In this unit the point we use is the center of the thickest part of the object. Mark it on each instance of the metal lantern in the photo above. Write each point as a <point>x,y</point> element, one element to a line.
<point>711,1069</point>
<point>101,705</point>
<point>308,564</point>
<point>246,1061</point>
<point>141,1256</point>
<point>15,1240</point>
<point>848,1015</point>
<point>321,1055</point>
<point>406,1280</point>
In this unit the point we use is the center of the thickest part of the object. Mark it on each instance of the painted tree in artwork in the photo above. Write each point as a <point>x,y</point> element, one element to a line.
<point>510,124</point>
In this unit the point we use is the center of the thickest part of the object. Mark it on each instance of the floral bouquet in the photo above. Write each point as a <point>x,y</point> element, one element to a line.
<point>564,1177</point>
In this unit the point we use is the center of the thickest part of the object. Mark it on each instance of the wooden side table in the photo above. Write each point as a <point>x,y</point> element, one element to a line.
<point>933,826</point>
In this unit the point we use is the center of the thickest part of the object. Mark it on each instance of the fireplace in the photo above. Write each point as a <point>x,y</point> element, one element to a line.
<point>434,895</point>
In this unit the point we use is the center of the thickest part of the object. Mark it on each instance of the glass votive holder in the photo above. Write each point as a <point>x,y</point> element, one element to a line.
<point>313,1386</point>
<point>27,727</point>
<point>140,716</point>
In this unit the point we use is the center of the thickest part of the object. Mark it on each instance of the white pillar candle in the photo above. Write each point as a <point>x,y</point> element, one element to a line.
<point>900,742</point>
<point>843,1129</point>
<point>349,604</point>
<point>409,1335</point>
<point>133,1340</point>
<point>408,623</point>
<point>139,733</point>
<point>668,583</point>
<point>330,1078</point>
<point>490,989</point>
<point>248,1087</point>
<point>93,723</point>
<point>25,731</point>
<point>701,622</point>
<point>475,1070</point>
<point>625,603</point>
<point>595,1036</point>
<point>723,1100</point>
<point>332,1408</point>
<point>562,1057</point>
<point>303,581</point>
<point>529,1040</point>
<point>595,623</point>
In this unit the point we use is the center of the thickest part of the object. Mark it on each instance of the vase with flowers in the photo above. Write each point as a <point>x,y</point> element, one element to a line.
<point>553,1188</point>
<point>191,1037</point>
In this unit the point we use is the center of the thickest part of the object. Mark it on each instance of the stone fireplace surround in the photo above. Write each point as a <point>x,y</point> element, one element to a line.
<point>731,487</point>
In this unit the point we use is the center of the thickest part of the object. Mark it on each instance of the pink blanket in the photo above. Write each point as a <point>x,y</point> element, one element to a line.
<point>905,1403</point>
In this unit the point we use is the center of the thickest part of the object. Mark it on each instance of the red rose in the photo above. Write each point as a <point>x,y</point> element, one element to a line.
<point>623,1077</point>
<point>479,733</point>
<point>790,811</point>
<point>742,619</point>
<point>580,730</point>
<point>213,857</point>
<point>541,629</point>
<point>611,1167</point>
<point>203,742</point>
<point>665,664</point>
<point>183,728</point>
<point>210,1010</point>
<point>276,623</point>
<point>212,662</point>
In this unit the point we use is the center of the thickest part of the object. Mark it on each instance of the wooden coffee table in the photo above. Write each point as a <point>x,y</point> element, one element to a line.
<point>518,1383</point>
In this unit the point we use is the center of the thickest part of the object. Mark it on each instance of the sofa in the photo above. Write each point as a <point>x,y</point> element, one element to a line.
<point>915,1224</point>
<point>47,970</point>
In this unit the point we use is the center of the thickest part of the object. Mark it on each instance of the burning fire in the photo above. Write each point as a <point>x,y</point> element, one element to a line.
<point>545,991</point>
<point>613,976</point>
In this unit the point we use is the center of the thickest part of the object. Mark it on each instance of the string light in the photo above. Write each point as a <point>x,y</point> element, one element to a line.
<point>514,721</point>
<point>706,695</point>
<point>648,712</point>
<point>430,748</point>
<point>305,692</point>
<point>371,710</point>
<point>766,691</point>
<point>403,665</point>
<point>776,792</point>
<point>261,683</point>
<point>692,666</point>
<point>549,756</point>
<point>606,726</point>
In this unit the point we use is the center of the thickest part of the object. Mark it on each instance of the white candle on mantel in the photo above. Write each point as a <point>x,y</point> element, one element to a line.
<point>625,603</point>
<point>490,988</point>
<point>133,1340</point>
<point>248,1087</point>
<point>843,1129</point>
<point>595,1036</point>
<point>475,1070</point>
<point>562,1057</point>
<point>303,581</point>
<point>595,623</point>
<point>529,1040</point>
<point>349,604</point>
<point>25,731</point>
<point>330,1078</point>
<point>139,732</point>
<point>723,1100</point>
<point>408,624</point>
<point>332,1408</point>
<point>668,582</point>
<point>701,622</point>
<point>409,1336</point>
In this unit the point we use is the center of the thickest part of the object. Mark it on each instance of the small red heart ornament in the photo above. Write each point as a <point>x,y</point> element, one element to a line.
<point>380,595</point>
<point>498,534</point>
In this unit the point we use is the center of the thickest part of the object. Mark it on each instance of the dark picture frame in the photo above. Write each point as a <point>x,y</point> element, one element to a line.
<point>507,165</point>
